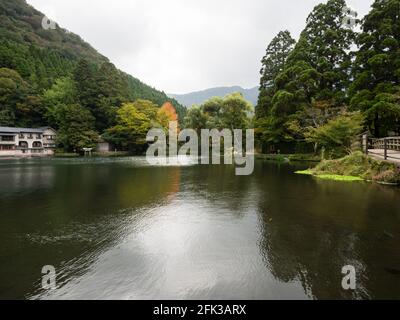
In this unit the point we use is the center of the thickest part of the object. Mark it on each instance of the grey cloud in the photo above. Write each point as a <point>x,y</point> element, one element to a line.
<point>184,45</point>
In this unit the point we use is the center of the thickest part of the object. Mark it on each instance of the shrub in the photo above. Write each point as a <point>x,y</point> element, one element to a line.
<point>389,176</point>
<point>338,134</point>
<point>359,165</point>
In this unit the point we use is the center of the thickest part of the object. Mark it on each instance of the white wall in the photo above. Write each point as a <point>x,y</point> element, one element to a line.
<point>30,142</point>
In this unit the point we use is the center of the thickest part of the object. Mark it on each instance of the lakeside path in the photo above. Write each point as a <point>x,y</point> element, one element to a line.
<point>393,155</point>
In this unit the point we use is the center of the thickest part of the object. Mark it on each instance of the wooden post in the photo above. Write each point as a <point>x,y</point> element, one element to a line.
<point>385,148</point>
<point>364,143</point>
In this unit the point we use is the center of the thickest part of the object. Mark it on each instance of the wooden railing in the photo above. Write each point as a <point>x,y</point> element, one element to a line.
<point>390,143</point>
<point>383,145</point>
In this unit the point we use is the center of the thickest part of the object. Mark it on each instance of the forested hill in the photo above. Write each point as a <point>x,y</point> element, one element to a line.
<point>34,61</point>
<point>21,23</point>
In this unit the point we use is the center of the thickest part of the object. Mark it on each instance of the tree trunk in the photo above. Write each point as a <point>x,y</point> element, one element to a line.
<point>377,126</point>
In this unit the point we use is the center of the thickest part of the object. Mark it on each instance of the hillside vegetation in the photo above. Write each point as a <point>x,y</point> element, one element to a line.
<point>46,74</point>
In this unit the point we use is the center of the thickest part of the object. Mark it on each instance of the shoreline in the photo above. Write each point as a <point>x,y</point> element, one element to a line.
<point>356,167</point>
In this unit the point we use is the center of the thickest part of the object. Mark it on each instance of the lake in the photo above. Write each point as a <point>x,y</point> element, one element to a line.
<point>118,228</point>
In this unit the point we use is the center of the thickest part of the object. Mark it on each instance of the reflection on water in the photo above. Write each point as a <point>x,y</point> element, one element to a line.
<point>120,229</point>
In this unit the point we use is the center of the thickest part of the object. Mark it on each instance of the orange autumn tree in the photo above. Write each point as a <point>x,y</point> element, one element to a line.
<point>167,113</point>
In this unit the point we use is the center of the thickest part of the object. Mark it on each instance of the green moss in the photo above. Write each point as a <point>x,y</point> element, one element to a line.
<point>356,167</point>
<point>334,177</point>
<point>305,172</point>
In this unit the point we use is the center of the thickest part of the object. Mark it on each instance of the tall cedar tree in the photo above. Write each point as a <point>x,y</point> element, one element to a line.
<point>111,90</point>
<point>272,64</point>
<point>317,70</point>
<point>376,88</point>
<point>85,80</point>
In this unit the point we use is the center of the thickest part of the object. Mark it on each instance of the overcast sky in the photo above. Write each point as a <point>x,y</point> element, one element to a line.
<point>184,45</point>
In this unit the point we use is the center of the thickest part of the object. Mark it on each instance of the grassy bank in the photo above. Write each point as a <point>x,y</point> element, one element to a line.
<point>290,157</point>
<point>112,154</point>
<point>94,154</point>
<point>66,155</point>
<point>356,167</point>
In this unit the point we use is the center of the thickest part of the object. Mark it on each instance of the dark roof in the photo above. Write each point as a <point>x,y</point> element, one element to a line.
<point>20,130</point>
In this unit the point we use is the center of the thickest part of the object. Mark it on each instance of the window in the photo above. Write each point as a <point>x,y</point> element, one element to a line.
<point>6,147</point>
<point>21,136</point>
<point>30,136</point>
<point>38,136</point>
<point>7,138</point>
<point>37,144</point>
<point>23,144</point>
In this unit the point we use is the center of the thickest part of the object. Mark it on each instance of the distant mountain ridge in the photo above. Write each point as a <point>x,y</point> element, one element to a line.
<point>198,97</point>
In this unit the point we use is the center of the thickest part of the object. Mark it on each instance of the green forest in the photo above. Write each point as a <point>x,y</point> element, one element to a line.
<point>339,79</point>
<point>54,78</point>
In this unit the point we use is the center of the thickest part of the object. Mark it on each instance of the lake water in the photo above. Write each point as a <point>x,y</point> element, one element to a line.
<point>120,229</point>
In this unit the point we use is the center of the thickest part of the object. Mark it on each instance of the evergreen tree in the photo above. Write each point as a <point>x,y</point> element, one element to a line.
<point>75,125</point>
<point>376,88</point>
<point>12,88</point>
<point>111,83</point>
<point>85,80</point>
<point>18,105</point>
<point>272,64</point>
<point>111,90</point>
<point>316,72</point>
